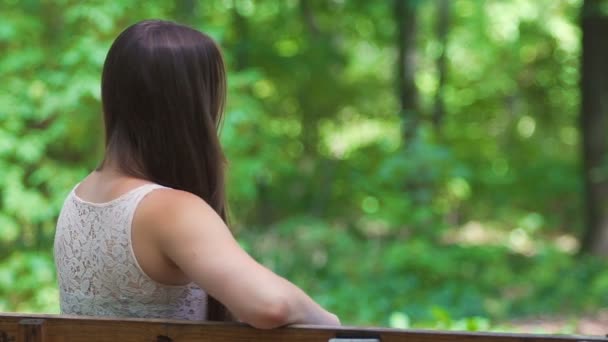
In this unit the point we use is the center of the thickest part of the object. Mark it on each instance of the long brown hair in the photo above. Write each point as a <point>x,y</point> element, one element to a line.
<point>163,91</point>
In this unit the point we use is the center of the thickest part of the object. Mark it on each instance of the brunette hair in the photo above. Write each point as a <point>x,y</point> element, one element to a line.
<point>163,91</point>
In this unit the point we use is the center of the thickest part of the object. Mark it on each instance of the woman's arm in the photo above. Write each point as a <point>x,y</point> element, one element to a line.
<point>194,237</point>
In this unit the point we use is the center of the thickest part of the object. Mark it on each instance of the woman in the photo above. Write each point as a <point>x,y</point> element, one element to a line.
<point>145,234</point>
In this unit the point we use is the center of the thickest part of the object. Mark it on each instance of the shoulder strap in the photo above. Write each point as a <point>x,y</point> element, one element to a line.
<point>143,190</point>
<point>138,195</point>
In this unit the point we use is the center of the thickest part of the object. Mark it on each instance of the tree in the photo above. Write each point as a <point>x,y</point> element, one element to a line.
<point>405,18</point>
<point>594,124</point>
<point>442,26</point>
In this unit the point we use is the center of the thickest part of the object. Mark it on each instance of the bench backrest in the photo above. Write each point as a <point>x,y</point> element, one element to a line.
<point>51,328</point>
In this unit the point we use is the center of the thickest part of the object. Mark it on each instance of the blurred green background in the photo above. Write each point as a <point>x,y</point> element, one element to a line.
<point>408,163</point>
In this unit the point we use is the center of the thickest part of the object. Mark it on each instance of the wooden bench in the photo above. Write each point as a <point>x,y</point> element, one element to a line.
<point>51,328</point>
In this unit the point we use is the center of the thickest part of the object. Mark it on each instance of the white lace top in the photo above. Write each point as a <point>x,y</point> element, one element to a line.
<point>97,270</point>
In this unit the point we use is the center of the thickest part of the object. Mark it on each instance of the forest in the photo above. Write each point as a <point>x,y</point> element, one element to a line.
<point>409,163</point>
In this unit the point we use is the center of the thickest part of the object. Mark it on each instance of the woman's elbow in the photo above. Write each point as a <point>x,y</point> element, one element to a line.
<point>271,315</point>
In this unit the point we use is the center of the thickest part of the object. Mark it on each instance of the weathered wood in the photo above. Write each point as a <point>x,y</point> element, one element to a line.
<point>32,330</point>
<point>8,329</point>
<point>53,328</point>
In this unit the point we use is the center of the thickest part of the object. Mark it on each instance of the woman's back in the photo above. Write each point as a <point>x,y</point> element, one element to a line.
<point>99,273</point>
<point>117,241</point>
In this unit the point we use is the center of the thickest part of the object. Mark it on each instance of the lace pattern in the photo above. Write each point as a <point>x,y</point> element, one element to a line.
<point>98,273</point>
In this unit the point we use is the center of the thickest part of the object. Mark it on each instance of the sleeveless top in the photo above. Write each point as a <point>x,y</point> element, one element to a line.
<point>97,270</point>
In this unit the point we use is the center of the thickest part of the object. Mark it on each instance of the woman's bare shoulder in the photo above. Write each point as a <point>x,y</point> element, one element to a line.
<point>171,207</point>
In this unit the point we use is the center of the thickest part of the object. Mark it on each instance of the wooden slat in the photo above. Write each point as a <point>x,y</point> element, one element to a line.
<point>9,329</point>
<point>32,330</point>
<point>80,329</point>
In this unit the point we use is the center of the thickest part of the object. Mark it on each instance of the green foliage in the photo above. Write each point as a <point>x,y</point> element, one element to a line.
<point>453,230</point>
<point>381,280</point>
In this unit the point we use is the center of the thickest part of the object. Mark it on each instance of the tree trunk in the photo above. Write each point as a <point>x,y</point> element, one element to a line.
<point>186,11</point>
<point>309,19</point>
<point>405,18</point>
<point>241,38</point>
<point>594,126</point>
<point>443,23</point>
